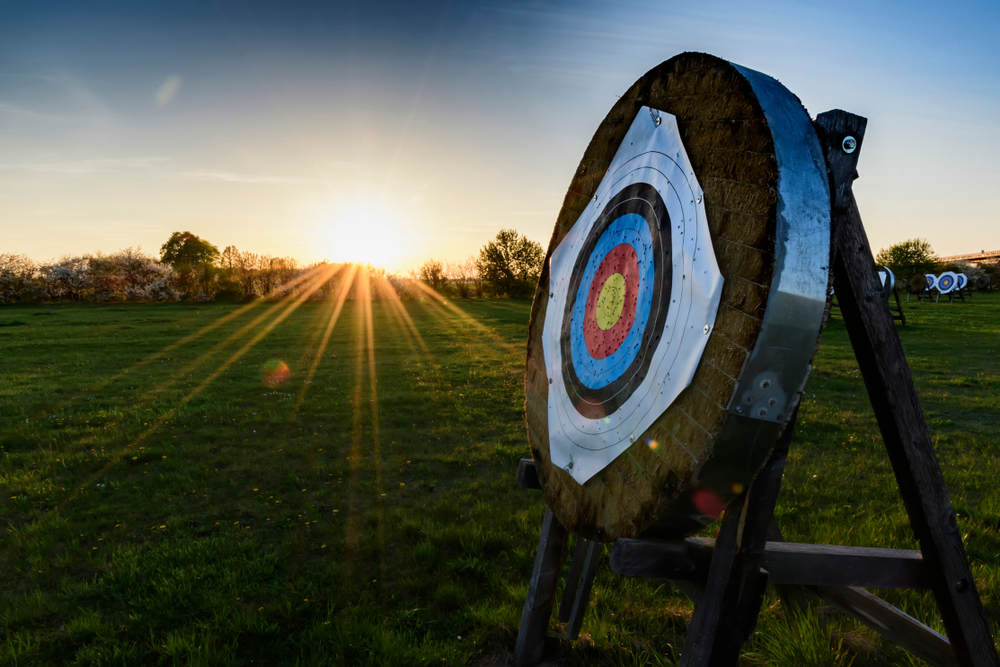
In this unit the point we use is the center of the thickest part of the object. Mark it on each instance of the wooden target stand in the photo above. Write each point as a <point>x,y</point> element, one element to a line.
<point>726,577</point>
<point>897,312</point>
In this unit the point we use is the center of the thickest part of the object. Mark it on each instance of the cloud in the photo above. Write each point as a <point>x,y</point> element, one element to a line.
<point>91,166</point>
<point>24,112</point>
<point>232,177</point>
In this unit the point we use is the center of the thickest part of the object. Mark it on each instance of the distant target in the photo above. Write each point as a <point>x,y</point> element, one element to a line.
<point>931,280</point>
<point>946,282</point>
<point>888,280</point>
<point>961,280</point>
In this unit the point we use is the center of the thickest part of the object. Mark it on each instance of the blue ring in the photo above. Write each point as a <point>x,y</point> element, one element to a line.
<point>633,230</point>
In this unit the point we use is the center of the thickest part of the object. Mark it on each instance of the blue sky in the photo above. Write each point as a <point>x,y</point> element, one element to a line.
<point>394,132</point>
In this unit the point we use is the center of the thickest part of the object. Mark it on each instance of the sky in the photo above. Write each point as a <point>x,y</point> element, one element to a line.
<point>395,132</point>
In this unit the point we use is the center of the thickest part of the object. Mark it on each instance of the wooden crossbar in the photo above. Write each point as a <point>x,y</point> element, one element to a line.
<point>785,563</point>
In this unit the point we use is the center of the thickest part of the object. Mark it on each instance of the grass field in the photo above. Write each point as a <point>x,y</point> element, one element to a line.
<point>171,497</point>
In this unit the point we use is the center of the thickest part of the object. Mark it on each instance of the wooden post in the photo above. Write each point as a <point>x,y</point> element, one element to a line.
<point>572,582</point>
<point>896,404</point>
<point>729,608</point>
<point>541,592</point>
<point>581,589</point>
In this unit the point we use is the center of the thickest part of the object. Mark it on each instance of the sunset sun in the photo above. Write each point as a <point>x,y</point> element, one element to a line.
<point>363,231</point>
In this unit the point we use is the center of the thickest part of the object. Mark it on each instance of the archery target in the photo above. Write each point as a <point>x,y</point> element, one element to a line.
<point>888,280</point>
<point>634,290</point>
<point>931,280</point>
<point>946,282</point>
<point>961,280</point>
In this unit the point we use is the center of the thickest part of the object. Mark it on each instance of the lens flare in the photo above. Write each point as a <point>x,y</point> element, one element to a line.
<point>168,91</point>
<point>274,372</point>
<point>707,502</point>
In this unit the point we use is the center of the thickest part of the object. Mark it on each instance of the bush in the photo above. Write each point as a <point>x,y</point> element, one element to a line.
<point>18,279</point>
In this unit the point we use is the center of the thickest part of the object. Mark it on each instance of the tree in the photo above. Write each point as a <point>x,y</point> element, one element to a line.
<point>186,249</point>
<point>908,258</point>
<point>463,276</point>
<point>18,278</point>
<point>511,263</point>
<point>432,274</point>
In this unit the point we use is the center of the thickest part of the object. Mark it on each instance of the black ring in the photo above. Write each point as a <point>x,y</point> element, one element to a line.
<point>641,199</point>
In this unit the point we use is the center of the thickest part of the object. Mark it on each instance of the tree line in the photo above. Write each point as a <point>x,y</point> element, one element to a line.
<point>189,268</point>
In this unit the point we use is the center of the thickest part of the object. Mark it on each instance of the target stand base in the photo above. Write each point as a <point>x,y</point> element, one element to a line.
<point>727,577</point>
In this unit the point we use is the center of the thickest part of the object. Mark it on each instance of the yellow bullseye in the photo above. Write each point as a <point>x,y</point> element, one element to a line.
<point>611,301</point>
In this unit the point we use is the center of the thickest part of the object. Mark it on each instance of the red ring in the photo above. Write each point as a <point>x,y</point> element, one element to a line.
<point>603,343</point>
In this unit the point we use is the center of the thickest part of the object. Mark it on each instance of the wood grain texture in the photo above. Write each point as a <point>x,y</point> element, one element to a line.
<point>731,150</point>
<point>897,407</point>
<point>734,592</point>
<point>788,563</point>
<point>541,592</point>
<point>893,624</point>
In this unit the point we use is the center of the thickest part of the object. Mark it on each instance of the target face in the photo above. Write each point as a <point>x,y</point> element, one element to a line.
<point>946,282</point>
<point>931,280</point>
<point>961,280</point>
<point>634,289</point>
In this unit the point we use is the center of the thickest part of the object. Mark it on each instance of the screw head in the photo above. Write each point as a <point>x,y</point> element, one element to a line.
<point>961,585</point>
<point>850,144</point>
<point>706,329</point>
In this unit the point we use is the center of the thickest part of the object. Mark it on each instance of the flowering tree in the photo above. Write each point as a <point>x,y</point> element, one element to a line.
<point>18,278</point>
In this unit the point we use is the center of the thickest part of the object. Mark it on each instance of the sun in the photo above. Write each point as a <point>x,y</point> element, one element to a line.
<point>365,232</point>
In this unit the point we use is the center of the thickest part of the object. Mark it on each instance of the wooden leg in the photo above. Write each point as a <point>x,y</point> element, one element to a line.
<point>899,307</point>
<point>572,579</point>
<point>582,597</point>
<point>897,409</point>
<point>735,588</point>
<point>891,623</point>
<point>541,592</point>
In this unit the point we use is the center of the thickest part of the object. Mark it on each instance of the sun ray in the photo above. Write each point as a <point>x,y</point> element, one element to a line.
<point>352,532</point>
<point>318,280</point>
<point>373,405</point>
<point>401,314</point>
<point>345,288</point>
<point>469,319</point>
<point>166,416</point>
<point>198,334</point>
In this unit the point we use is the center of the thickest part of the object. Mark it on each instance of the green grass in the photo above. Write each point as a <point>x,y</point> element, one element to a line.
<point>163,507</point>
